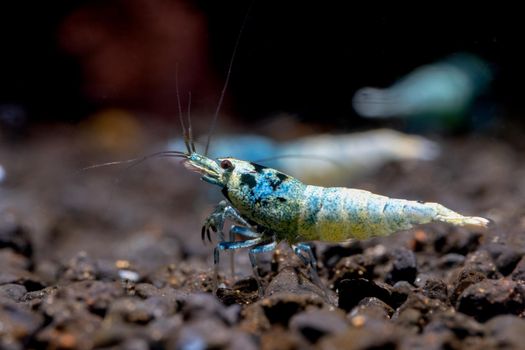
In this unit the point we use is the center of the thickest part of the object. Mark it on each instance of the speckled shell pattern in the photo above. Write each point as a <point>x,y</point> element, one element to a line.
<point>296,212</point>
<point>335,214</point>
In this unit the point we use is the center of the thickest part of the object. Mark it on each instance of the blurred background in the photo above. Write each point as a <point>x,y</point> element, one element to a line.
<point>68,60</point>
<point>420,103</point>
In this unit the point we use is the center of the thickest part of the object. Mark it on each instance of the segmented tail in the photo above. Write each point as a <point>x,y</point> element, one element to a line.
<point>472,222</point>
<point>443,214</point>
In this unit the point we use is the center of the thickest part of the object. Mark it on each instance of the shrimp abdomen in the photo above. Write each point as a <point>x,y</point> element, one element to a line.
<point>337,214</point>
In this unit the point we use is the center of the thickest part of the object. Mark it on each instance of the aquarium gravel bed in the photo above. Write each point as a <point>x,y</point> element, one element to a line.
<point>88,263</point>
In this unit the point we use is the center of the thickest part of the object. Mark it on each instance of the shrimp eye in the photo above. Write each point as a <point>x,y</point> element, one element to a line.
<point>226,164</point>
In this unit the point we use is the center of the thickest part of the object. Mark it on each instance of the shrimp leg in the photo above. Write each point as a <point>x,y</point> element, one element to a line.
<point>244,231</point>
<point>305,253</point>
<point>224,245</point>
<point>215,222</point>
<point>268,247</point>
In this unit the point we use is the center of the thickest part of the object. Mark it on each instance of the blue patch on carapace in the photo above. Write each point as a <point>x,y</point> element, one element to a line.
<point>268,185</point>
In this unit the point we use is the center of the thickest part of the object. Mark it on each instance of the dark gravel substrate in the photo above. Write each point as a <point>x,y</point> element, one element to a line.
<point>89,264</point>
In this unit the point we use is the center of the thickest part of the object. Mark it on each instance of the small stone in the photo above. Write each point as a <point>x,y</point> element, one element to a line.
<point>464,279</point>
<point>129,275</point>
<point>400,292</point>
<point>131,310</point>
<point>17,321</point>
<point>80,268</point>
<point>482,261</point>
<point>431,341</point>
<point>159,306</point>
<point>277,309</point>
<point>451,260</point>
<point>506,332</point>
<point>372,307</point>
<point>23,277</point>
<point>334,253</point>
<point>435,289</point>
<point>316,323</point>
<point>410,318</point>
<point>14,292</point>
<point>353,267</point>
<point>232,314</point>
<point>192,276</point>
<point>241,341</point>
<point>404,266</point>
<point>417,311</point>
<point>505,257</point>
<point>175,298</point>
<point>244,291</point>
<point>478,266</point>
<point>376,335</point>
<point>145,290</point>
<point>34,299</point>
<point>90,296</point>
<point>115,331</point>
<point>278,338</point>
<point>201,334</point>
<point>518,274</point>
<point>457,241</point>
<point>290,281</point>
<point>459,324</point>
<point>351,292</point>
<point>282,311</point>
<point>163,328</point>
<point>202,306</point>
<point>490,298</point>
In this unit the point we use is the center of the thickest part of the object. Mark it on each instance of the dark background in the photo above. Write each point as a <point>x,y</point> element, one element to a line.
<point>305,58</point>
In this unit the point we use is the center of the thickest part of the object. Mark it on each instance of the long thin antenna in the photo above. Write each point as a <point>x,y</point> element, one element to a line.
<point>184,131</point>
<point>190,132</point>
<point>166,154</point>
<point>228,74</point>
<point>136,161</point>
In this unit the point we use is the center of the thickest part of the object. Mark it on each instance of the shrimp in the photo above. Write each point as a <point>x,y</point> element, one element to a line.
<point>268,206</point>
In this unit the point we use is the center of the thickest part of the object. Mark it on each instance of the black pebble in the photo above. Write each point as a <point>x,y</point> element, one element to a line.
<point>404,266</point>
<point>490,298</point>
<point>351,292</point>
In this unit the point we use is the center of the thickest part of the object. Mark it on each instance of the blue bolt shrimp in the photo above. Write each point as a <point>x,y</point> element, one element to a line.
<point>268,206</point>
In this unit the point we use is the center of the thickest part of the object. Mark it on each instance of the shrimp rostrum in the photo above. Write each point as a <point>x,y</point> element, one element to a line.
<point>268,206</point>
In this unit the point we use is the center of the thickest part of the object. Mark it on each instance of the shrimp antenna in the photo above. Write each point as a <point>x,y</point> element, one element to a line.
<point>190,132</point>
<point>228,74</point>
<point>136,161</point>
<point>185,135</point>
<point>161,154</point>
